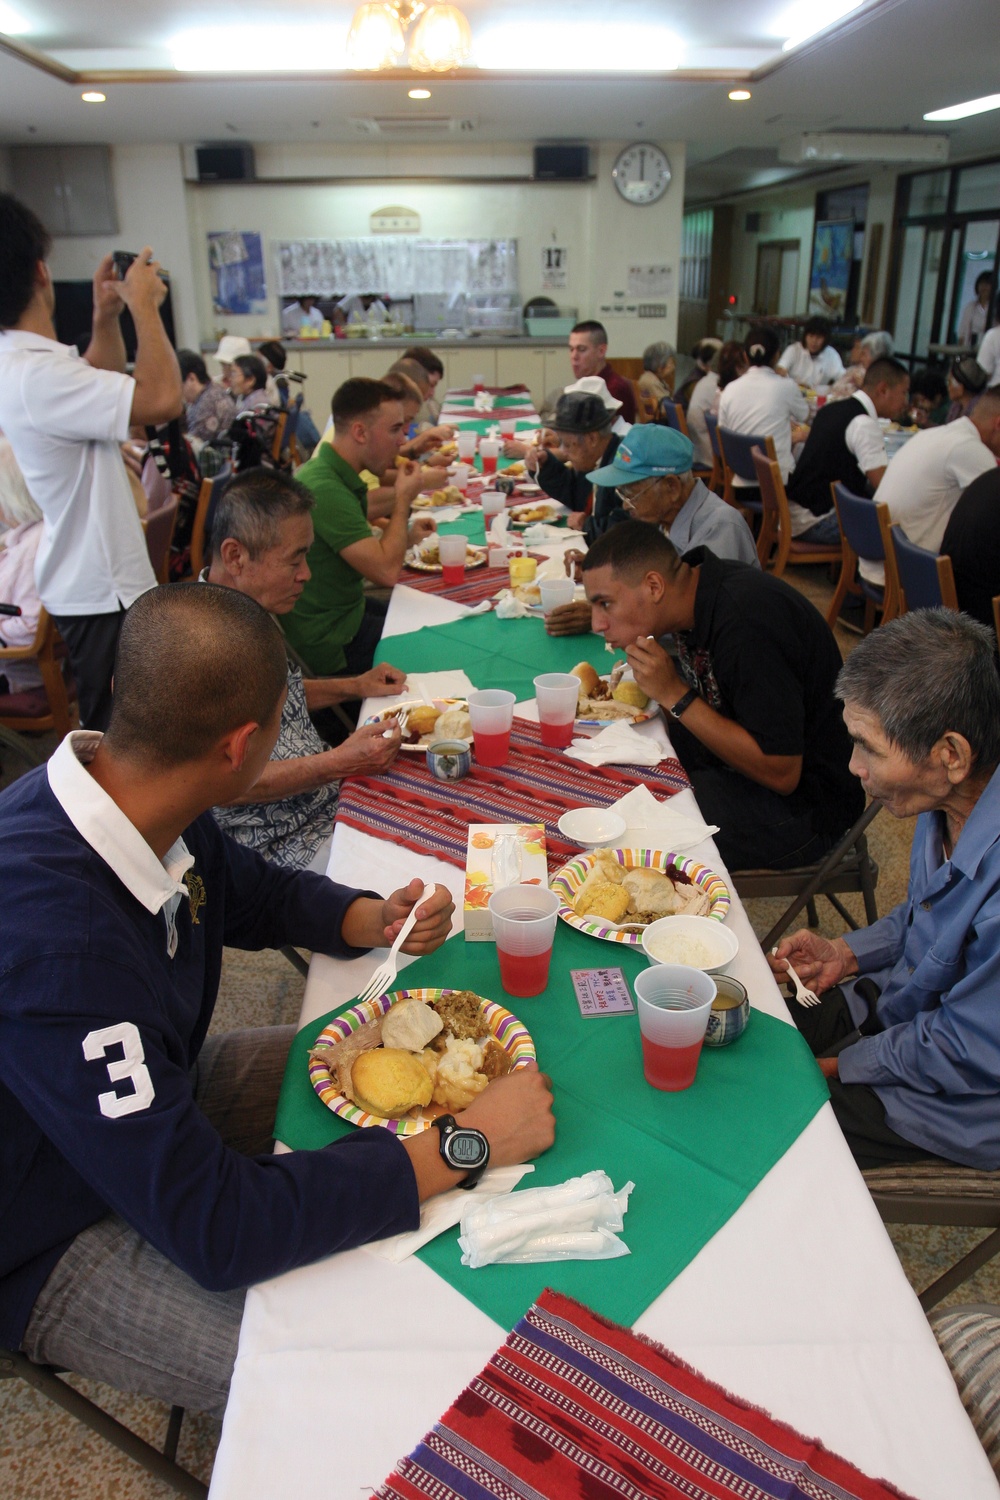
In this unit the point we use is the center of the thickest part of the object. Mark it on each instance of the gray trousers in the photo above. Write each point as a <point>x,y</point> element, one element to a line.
<point>115,1309</point>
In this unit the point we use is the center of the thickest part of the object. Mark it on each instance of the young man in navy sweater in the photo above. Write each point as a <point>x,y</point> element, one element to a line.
<point>138,1195</point>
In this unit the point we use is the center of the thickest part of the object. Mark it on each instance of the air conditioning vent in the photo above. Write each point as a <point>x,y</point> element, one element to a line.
<point>412,127</point>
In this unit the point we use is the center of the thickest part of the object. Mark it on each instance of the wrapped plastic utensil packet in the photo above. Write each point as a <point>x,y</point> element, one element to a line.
<point>577,1220</point>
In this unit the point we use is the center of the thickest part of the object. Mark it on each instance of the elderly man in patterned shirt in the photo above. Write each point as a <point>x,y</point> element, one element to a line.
<point>262,531</point>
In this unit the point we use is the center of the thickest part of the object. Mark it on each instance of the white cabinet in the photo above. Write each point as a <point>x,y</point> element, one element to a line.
<point>373,363</point>
<point>558,373</point>
<point>461,366</point>
<point>325,370</point>
<point>525,366</point>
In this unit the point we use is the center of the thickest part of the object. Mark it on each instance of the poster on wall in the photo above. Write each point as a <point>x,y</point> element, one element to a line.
<point>555,268</point>
<point>830,277</point>
<point>236,269</point>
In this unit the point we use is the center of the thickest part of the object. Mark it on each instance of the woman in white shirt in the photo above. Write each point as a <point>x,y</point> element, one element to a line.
<point>814,362</point>
<point>702,397</point>
<point>763,401</point>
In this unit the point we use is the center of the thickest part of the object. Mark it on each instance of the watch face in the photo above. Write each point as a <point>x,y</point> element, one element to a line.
<point>466,1149</point>
<point>642,173</point>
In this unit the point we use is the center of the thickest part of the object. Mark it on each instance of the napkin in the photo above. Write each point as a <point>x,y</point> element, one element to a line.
<point>621,745</point>
<point>576,1220</point>
<point>509,608</point>
<point>552,567</point>
<point>440,1213</point>
<point>541,531</point>
<point>653,824</point>
<point>452,684</point>
<point>497,536</point>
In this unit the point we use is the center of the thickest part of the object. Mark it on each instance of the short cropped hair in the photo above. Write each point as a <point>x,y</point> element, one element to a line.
<point>24,241</point>
<point>983,276</point>
<point>655,356</point>
<point>925,673</point>
<point>879,344</point>
<point>929,383</point>
<point>885,372</point>
<point>405,388</point>
<point>597,331</point>
<point>359,397</point>
<point>195,661</point>
<point>273,350</point>
<point>761,344</point>
<point>253,368</point>
<point>819,325</point>
<point>427,358</point>
<point>633,549</point>
<point>413,370</point>
<point>192,364</point>
<point>253,506</point>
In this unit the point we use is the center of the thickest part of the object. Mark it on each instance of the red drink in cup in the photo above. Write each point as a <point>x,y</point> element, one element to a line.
<point>478,384</point>
<point>489,452</point>
<point>452,550</point>
<point>492,714</point>
<point>556,694</point>
<point>674,1003</point>
<point>524,925</point>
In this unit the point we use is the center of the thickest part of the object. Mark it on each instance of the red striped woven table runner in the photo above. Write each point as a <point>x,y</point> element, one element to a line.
<point>575,1408</point>
<point>480,584</point>
<point>409,806</point>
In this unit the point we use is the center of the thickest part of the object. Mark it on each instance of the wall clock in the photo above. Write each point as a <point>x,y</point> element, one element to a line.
<point>641,174</point>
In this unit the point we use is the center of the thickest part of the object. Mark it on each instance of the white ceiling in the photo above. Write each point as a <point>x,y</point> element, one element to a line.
<point>880,70</point>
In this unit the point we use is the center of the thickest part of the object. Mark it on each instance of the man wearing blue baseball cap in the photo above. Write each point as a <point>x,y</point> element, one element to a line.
<point>651,471</point>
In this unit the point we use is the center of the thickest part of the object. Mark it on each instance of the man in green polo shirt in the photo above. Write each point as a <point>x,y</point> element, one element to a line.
<point>334,627</point>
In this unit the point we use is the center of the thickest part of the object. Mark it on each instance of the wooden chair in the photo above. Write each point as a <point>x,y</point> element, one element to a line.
<point>159,528</point>
<point>45,1378</point>
<point>847,867</point>
<point>864,534</point>
<point>645,406</point>
<point>289,445</point>
<point>51,706</point>
<point>926,581</point>
<point>776,525</point>
<point>673,415</point>
<point>631,367</point>
<point>209,493</point>
<point>937,1192</point>
<point>735,448</point>
<point>277,442</point>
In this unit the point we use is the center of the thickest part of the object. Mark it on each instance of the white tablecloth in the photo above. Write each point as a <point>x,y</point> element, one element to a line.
<point>798,1304</point>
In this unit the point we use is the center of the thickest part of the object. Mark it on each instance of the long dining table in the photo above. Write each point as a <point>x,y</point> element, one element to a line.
<point>797,1303</point>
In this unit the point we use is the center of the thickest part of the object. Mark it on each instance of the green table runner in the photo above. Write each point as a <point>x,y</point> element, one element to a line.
<point>494,653</point>
<point>471,524</point>
<point>524,399</point>
<point>482,425</point>
<point>694,1156</point>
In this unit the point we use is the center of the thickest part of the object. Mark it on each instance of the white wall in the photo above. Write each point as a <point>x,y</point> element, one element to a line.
<point>149,192</point>
<point>603,234</point>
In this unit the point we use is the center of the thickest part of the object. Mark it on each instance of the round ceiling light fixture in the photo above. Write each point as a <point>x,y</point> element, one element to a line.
<point>419,94</point>
<point>739,96</point>
<point>441,38</point>
<point>93,97</point>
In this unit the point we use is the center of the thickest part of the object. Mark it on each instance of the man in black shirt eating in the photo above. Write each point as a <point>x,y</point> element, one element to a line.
<point>750,701</point>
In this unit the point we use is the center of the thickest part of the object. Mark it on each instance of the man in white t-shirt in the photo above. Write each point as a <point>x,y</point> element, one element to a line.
<point>65,418</point>
<point>988,355</point>
<point>925,478</point>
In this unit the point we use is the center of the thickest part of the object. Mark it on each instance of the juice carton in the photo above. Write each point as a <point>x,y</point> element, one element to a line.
<point>499,854</point>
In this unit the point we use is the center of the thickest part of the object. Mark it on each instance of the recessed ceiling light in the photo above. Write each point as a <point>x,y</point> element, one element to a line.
<point>739,96</point>
<point>11,22</point>
<point>419,94</point>
<point>970,107</point>
<point>93,98</point>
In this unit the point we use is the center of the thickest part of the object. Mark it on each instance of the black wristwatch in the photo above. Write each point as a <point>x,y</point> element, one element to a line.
<point>683,704</point>
<point>463,1150</point>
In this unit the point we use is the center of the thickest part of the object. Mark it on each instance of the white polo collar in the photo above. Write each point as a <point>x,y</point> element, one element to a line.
<point>22,338</point>
<point>98,819</point>
<point>866,402</point>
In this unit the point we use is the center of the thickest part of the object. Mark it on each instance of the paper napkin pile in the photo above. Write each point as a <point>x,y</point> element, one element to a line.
<point>578,1220</point>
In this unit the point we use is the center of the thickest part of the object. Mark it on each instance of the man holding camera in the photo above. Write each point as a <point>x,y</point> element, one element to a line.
<point>65,417</point>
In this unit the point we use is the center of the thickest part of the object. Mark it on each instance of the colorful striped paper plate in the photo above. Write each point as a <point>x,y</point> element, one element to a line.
<point>567,882</point>
<point>507,1030</point>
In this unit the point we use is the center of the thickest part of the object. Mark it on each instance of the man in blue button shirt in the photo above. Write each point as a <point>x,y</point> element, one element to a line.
<point>908,1031</point>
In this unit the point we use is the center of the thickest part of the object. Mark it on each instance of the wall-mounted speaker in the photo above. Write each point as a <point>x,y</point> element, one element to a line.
<point>225,163</point>
<point>562,163</point>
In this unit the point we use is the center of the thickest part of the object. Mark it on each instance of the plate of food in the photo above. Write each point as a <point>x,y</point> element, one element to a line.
<point>403,1059</point>
<point>538,510</point>
<point>441,719</point>
<point>436,499</point>
<point>616,893</point>
<point>616,695</point>
<point>426,558</point>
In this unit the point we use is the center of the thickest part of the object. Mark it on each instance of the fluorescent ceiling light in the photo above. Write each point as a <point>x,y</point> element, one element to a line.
<point>970,107</point>
<point>806,19</point>
<point>245,48</point>
<point>11,23</point>
<point>579,47</point>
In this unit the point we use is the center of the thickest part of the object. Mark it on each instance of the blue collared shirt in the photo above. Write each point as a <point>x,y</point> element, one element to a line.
<point>706,521</point>
<point>936,958</point>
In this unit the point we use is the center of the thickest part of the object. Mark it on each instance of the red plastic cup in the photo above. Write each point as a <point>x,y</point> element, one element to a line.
<point>524,925</point>
<point>674,1003</point>
<point>452,550</point>
<point>557,694</point>
<point>489,452</point>
<point>478,384</point>
<point>492,714</point>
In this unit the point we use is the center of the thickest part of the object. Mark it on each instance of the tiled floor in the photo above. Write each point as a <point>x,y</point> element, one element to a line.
<point>46,1455</point>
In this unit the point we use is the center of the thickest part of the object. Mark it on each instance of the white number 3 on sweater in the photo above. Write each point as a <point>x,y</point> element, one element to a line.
<point>131,1066</point>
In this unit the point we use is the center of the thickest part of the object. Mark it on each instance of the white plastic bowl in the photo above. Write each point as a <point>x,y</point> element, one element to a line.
<point>592,827</point>
<point>707,930</point>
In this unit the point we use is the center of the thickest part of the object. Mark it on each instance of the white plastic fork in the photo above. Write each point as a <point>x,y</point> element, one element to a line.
<point>803,995</point>
<point>386,972</point>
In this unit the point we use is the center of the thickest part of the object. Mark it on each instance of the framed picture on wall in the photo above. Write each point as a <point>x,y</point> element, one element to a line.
<point>830,275</point>
<point>236,268</point>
